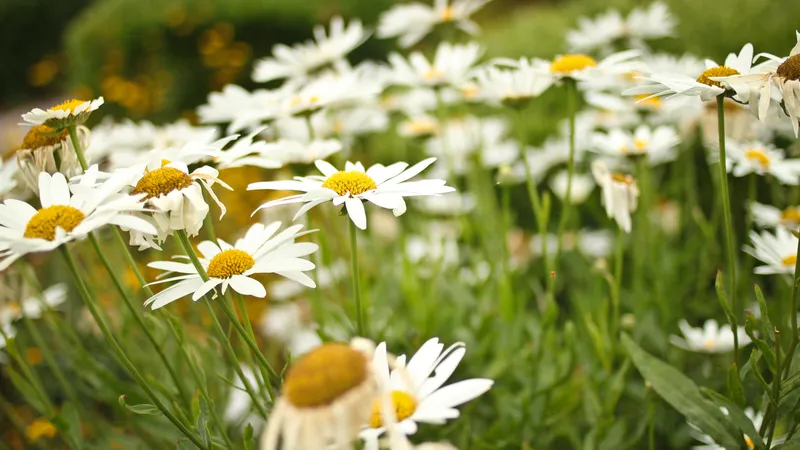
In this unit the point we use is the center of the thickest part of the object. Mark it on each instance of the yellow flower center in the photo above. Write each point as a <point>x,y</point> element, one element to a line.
<point>432,74</point>
<point>156,183</point>
<point>352,182</point>
<point>448,14</point>
<point>40,428</point>
<point>721,71</point>
<point>404,406</point>
<point>229,263</point>
<point>571,63</point>
<point>790,69</point>
<point>758,156</point>
<point>470,91</point>
<point>69,105</point>
<point>639,145</point>
<point>791,215</point>
<point>709,343</point>
<point>418,127</point>
<point>790,260</point>
<point>43,136</point>
<point>298,100</point>
<point>43,224</point>
<point>622,178</point>
<point>324,374</point>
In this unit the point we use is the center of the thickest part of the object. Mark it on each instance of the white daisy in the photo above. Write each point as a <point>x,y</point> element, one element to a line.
<point>656,144</point>
<point>384,186</point>
<point>245,152</point>
<point>297,152</point>
<point>417,392</point>
<point>291,324</point>
<point>460,138</point>
<point>608,29</point>
<point>768,216</point>
<point>33,306</point>
<point>260,251</point>
<point>761,159</point>
<point>8,176</point>
<point>298,61</point>
<point>69,113</point>
<point>234,101</point>
<point>451,66</point>
<point>778,251</point>
<point>46,150</point>
<point>582,186</point>
<point>592,243</point>
<point>705,85</point>
<point>710,339</point>
<point>174,198</point>
<point>68,213</point>
<point>326,276</point>
<point>413,21</point>
<point>513,86</point>
<point>239,407</point>
<point>454,204</point>
<point>432,252</point>
<point>620,194</point>
<point>420,125</point>
<point>326,398</point>
<point>411,102</point>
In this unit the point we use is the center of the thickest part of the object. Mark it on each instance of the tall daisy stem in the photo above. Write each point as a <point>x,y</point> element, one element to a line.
<point>95,312</point>
<point>726,209</point>
<point>356,278</point>
<point>572,105</point>
<point>615,297</point>
<point>793,317</point>
<point>76,144</point>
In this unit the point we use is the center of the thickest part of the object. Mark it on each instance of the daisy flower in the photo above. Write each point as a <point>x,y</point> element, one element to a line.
<point>33,306</point>
<point>291,324</point>
<point>383,186</point>
<point>454,204</point>
<point>602,32</point>
<point>326,398</point>
<point>260,251</point>
<point>234,101</point>
<point>620,194</point>
<point>592,243</point>
<point>582,186</point>
<point>42,147</point>
<point>69,113</point>
<point>709,339</point>
<point>421,125</point>
<point>768,216</point>
<point>413,21</point>
<point>511,86</point>
<point>68,213</point>
<point>762,159</point>
<point>778,251</point>
<point>451,66</point>
<point>417,392</point>
<point>174,198</point>
<point>705,85</point>
<point>245,152</point>
<point>286,289</point>
<point>298,61</point>
<point>8,172</point>
<point>656,144</point>
<point>784,73</point>
<point>462,137</point>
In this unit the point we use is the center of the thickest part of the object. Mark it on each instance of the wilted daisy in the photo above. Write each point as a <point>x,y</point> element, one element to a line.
<point>67,216</point>
<point>260,251</point>
<point>327,397</point>
<point>656,144</point>
<point>705,85</point>
<point>710,339</point>
<point>45,149</point>
<point>451,66</point>
<point>69,113</point>
<point>291,324</point>
<point>413,21</point>
<point>620,194</point>
<point>768,216</point>
<point>778,251</point>
<point>383,186</point>
<point>582,186</point>
<point>762,159</point>
<point>174,197</point>
<point>417,392</point>
<point>298,61</point>
<point>610,28</point>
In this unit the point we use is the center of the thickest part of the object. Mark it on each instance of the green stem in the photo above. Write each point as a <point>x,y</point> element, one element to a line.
<point>51,362</point>
<point>793,317</point>
<point>208,222</point>
<point>615,298</point>
<point>567,204</point>
<point>776,388</point>
<point>310,128</point>
<point>356,279</point>
<point>93,309</point>
<point>76,144</point>
<point>263,381</point>
<point>137,316</point>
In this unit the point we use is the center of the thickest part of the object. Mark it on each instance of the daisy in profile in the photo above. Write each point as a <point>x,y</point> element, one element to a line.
<point>710,339</point>
<point>68,213</point>
<point>383,186</point>
<point>298,61</point>
<point>174,198</point>
<point>778,251</point>
<point>451,66</point>
<point>413,21</point>
<point>45,149</point>
<point>656,144</point>
<point>260,251</point>
<point>326,398</point>
<point>705,85</point>
<point>417,392</point>
<point>67,114</point>
<point>762,159</point>
<point>768,216</point>
<point>582,186</point>
<point>620,194</point>
<point>605,30</point>
<point>246,152</point>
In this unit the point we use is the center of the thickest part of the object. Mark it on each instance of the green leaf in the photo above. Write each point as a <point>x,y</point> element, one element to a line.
<point>683,395</point>
<point>766,325</point>
<point>248,437</point>
<point>737,416</point>
<point>26,389</point>
<point>69,414</point>
<point>723,299</point>
<point>145,409</point>
<point>735,389</point>
<point>754,368</point>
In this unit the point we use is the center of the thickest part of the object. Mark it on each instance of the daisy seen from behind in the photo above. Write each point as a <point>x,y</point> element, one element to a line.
<point>383,186</point>
<point>416,389</point>
<point>777,250</point>
<point>413,21</point>
<point>262,250</point>
<point>68,213</point>
<point>620,194</point>
<point>67,114</point>
<point>711,338</point>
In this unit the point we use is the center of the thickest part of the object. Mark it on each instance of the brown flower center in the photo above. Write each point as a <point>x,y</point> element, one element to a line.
<point>790,69</point>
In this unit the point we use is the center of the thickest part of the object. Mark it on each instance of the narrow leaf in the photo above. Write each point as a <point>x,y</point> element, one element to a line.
<point>737,416</point>
<point>735,389</point>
